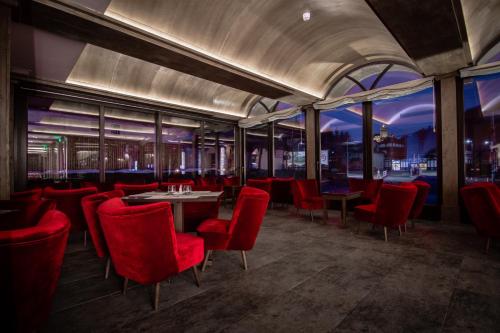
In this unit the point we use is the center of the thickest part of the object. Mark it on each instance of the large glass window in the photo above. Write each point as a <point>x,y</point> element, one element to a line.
<point>179,143</point>
<point>482,128</point>
<point>290,147</point>
<point>404,140</point>
<point>63,140</point>
<point>129,146</point>
<point>257,152</point>
<point>341,154</point>
<point>219,149</point>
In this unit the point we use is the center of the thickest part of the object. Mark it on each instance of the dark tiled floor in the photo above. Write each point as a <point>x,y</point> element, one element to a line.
<point>302,277</point>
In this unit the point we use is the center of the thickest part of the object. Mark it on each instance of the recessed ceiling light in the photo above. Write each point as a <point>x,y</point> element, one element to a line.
<point>306,15</point>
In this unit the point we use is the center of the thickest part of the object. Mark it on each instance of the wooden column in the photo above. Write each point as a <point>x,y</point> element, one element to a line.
<point>5,110</point>
<point>311,135</point>
<point>449,149</point>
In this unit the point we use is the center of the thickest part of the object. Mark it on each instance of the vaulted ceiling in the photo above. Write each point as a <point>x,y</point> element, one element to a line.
<point>222,56</point>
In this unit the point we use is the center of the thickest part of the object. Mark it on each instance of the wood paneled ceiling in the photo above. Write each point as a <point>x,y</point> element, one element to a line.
<point>222,56</point>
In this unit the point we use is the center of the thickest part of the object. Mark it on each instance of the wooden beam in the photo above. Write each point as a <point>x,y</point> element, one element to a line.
<point>77,22</point>
<point>5,111</point>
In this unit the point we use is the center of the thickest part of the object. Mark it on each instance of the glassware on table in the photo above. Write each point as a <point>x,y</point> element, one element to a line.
<point>187,189</point>
<point>181,188</point>
<point>171,189</point>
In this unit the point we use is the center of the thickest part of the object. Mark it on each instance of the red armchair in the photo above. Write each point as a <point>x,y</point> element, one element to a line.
<point>306,196</point>
<point>131,189</point>
<point>90,203</point>
<point>31,262</point>
<point>143,244</point>
<point>482,201</point>
<point>30,195</point>
<point>392,208</point>
<point>263,184</point>
<point>281,190</point>
<point>69,202</point>
<point>370,188</point>
<point>241,231</point>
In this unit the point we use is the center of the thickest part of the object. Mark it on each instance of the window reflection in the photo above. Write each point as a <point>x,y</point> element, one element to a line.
<point>257,152</point>
<point>290,147</point>
<point>341,154</point>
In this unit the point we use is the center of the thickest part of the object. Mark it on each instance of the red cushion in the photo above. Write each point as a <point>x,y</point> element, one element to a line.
<point>31,262</point>
<point>190,251</point>
<point>215,233</point>
<point>365,213</point>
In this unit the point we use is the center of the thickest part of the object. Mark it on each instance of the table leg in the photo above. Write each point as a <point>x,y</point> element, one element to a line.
<point>178,217</point>
<point>344,212</point>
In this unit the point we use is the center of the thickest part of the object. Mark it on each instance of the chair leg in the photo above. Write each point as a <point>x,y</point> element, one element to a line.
<point>108,266</point>
<point>85,238</point>
<point>125,283</point>
<point>207,255</point>
<point>385,233</point>
<point>400,233</point>
<point>196,275</point>
<point>157,296</point>
<point>487,246</point>
<point>244,259</point>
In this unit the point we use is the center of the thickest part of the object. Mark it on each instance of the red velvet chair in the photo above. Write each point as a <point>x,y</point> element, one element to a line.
<point>370,188</point>
<point>31,262</point>
<point>392,208</point>
<point>306,196</point>
<point>263,184</point>
<point>241,231</point>
<point>423,190</point>
<point>90,203</point>
<point>69,202</point>
<point>131,189</point>
<point>30,195</point>
<point>25,213</point>
<point>281,190</point>
<point>482,201</point>
<point>143,244</point>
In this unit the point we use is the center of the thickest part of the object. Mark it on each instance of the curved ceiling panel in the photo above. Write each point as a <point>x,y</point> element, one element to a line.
<point>104,69</point>
<point>482,19</point>
<point>270,38</point>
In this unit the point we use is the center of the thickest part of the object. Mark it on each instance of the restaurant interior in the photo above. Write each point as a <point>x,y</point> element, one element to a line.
<point>249,166</point>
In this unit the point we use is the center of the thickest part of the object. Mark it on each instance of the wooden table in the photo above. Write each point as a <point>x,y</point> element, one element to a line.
<point>342,196</point>
<point>176,200</point>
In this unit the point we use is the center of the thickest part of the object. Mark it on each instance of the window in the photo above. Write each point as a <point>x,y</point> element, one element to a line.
<point>482,128</point>
<point>257,152</point>
<point>290,147</point>
<point>404,140</point>
<point>63,140</point>
<point>129,146</point>
<point>341,154</point>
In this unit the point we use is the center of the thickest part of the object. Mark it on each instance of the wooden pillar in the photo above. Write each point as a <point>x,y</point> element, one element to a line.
<point>311,142</point>
<point>449,148</point>
<point>5,110</point>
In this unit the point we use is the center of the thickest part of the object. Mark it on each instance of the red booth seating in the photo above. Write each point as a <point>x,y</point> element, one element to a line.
<point>31,262</point>
<point>482,201</point>
<point>35,194</point>
<point>130,189</point>
<point>25,213</point>
<point>143,244</point>
<point>69,202</point>
<point>306,196</point>
<point>263,184</point>
<point>392,208</point>
<point>281,190</point>
<point>90,203</point>
<point>241,231</point>
<point>370,188</point>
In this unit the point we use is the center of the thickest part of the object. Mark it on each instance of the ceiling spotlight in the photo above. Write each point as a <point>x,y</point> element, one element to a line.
<point>306,15</point>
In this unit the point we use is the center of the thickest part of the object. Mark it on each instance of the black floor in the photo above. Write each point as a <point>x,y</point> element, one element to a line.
<point>302,277</point>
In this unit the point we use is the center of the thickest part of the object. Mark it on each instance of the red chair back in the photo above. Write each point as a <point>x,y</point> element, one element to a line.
<point>423,190</point>
<point>25,213</point>
<point>31,262</point>
<point>247,218</point>
<point>114,194</point>
<point>90,203</point>
<point>307,188</point>
<point>141,240</point>
<point>263,184</point>
<point>394,204</point>
<point>370,188</point>
<point>482,202</point>
<point>131,189</point>
<point>31,195</point>
<point>69,202</point>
